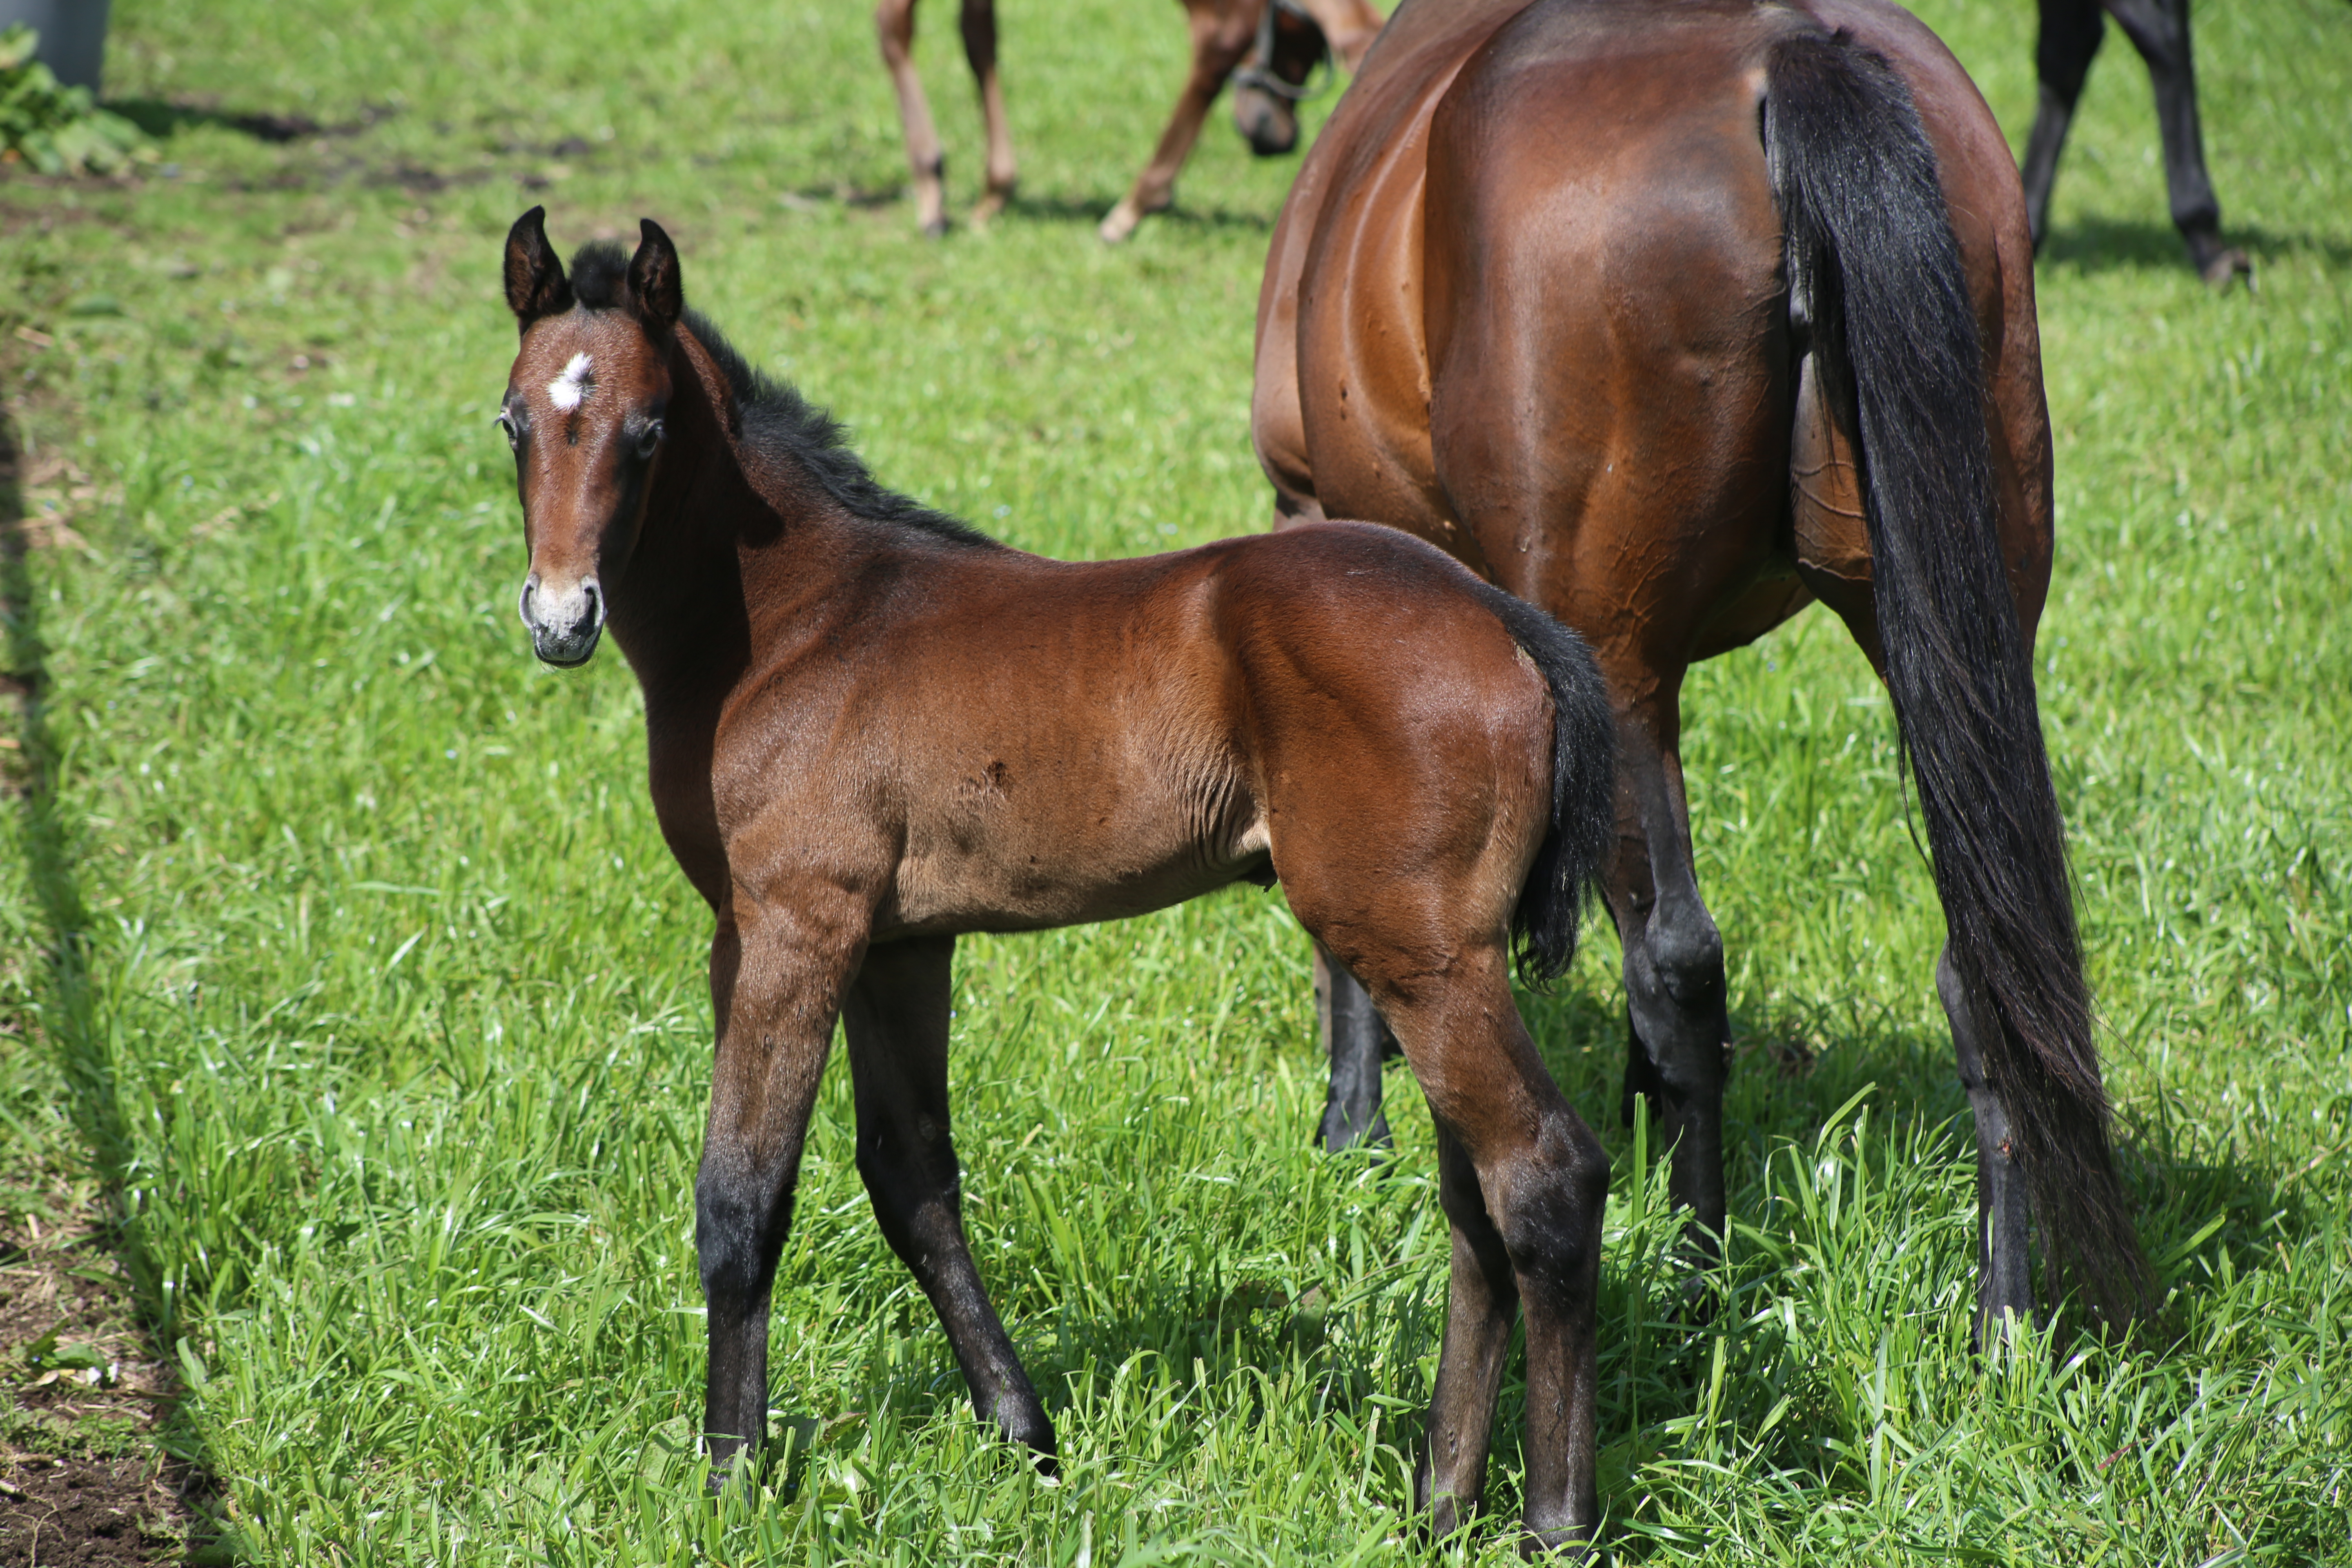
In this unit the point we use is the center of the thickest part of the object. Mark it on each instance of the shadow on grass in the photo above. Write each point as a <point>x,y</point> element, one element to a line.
<point>2095,247</point>
<point>163,118</point>
<point>70,1029</point>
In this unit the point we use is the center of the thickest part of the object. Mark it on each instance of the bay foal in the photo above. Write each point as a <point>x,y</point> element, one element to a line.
<point>871,729</point>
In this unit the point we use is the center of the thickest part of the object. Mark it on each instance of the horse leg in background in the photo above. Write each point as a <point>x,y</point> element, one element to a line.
<point>773,991</point>
<point>2159,29</point>
<point>1223,32</point>
<point>894,22</point>
<point>1679,1030</point>
<point>2004,1281</point>
<point>2070,34</point>
<point>1523,1183</point>
<point>895,1019</point>
<point>980,48</point>
<point>1348,26</point>
<point>1355,1041</point>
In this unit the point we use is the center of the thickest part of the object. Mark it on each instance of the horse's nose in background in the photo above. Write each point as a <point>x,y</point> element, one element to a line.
<point>563,626</point>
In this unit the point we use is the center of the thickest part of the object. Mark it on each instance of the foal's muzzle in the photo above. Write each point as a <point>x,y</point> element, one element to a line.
<point>563,626</point>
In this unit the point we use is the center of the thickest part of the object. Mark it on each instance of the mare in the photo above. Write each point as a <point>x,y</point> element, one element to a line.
<point>871,729</point>
<point>1223,32</point>
<point>1672,316</point>
<point>2071,33</point>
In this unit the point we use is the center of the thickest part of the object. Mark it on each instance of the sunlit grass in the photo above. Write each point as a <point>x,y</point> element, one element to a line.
<point>384,1004</point>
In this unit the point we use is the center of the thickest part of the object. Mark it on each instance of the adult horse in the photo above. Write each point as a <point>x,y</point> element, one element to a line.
<point>1223,32</point>
<point>1671,317</point>
<point>2159,29</point>
<point>872,728</point>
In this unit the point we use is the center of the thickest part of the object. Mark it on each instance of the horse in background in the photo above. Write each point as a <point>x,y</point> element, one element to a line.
<point>1289,38</point>
<point>2072,31</point>
<point>1672,317</point>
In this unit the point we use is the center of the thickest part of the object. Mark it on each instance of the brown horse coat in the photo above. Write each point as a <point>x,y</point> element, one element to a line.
<point>871,729</point>
<point>1537,297</point>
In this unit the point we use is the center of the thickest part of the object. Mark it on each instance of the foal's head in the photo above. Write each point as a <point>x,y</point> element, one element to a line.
<point>583,413</point>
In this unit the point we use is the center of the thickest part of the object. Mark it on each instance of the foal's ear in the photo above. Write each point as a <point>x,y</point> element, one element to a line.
<point>536,286</point>
<point>653,277</point>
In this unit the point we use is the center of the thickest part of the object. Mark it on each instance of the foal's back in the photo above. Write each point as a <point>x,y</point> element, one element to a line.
<point>993,740</point>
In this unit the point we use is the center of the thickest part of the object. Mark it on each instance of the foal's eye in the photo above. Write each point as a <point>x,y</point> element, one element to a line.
<point>507,423</point>
<point>649,437</point>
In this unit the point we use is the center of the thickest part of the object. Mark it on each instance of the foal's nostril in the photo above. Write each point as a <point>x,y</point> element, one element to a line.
<point>593,615</point>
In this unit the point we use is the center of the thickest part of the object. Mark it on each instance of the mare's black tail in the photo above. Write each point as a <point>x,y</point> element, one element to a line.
<point>1569,864</point>
<point>1872,263</point>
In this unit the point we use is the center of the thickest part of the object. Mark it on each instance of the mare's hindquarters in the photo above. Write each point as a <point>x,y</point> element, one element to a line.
<point>1879,277</point>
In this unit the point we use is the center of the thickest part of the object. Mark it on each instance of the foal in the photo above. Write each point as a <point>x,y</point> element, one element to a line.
<point>872,728</point>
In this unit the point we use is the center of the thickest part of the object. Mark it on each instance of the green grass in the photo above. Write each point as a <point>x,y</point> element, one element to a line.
<point>349,955</point>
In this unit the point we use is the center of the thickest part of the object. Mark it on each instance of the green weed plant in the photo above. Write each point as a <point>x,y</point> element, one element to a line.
<point>350,954</point>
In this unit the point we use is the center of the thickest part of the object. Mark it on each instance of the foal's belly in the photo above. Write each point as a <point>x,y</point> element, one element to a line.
<point>1041,841</point>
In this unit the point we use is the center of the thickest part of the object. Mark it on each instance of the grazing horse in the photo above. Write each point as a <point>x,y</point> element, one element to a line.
<point>1671,317</point>
<point>1223,32</point>
<point>872,728</point>
<point>2070,34</point>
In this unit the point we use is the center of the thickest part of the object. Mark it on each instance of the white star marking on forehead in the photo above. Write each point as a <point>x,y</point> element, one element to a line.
<point>566,390</point>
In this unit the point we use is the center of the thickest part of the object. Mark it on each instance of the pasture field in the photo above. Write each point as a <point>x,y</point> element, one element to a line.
<point>344,960</point>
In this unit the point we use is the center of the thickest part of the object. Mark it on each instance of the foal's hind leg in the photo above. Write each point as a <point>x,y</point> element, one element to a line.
<point>1523,1181</point>
<point>894,24</point>
<point>897,1021</point>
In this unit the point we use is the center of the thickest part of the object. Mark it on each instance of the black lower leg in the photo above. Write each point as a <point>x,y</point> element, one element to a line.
<point>2004,1276</point>
<point>740,1221</point>
<point>897,1025</point>
<point>1355,1041</point>
<point>2070,36</point>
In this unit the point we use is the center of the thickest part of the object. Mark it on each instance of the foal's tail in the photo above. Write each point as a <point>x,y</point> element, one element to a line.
<point>1568,863</point>
<point>1872,263</point>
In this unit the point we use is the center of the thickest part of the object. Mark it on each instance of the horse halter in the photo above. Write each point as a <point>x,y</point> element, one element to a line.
<point>1257,71</point>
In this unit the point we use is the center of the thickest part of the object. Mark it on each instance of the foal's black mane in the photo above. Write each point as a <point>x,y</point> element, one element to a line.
<point>772,418</point>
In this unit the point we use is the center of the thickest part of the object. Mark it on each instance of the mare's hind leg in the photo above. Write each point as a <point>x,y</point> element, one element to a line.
<point>2071,31</point>
<point>1523,1181</point>
<point>979,50</point>
<point>1674,961</point>
<point>2004,1283</point>
<point>2159,29</point>
<point>894,24</point>
<point>1355,1041</point>
<point>897,1021</point>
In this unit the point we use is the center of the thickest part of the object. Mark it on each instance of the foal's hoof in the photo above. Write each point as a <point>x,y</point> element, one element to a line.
<point>935,228</point>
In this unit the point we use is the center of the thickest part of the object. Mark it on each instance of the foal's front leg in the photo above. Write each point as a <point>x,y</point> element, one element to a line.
<point>776,980</point>
<point>897,1021</point>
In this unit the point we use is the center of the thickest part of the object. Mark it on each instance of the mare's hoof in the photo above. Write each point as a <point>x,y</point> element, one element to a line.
<point>936,229</point>
<point>1566,1544</point>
